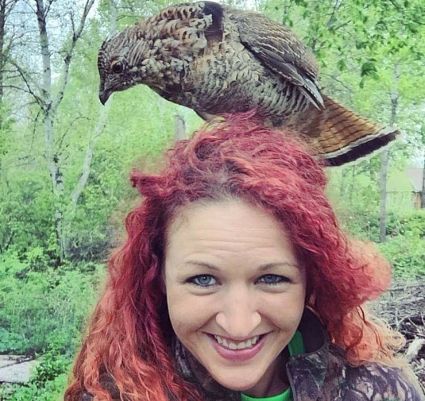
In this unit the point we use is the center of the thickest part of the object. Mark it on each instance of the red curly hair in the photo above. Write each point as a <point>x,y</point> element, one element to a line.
<point>129,335</point>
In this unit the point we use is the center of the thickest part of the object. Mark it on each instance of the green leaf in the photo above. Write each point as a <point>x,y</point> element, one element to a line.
<point>342,66</point>
<point>368,68</point>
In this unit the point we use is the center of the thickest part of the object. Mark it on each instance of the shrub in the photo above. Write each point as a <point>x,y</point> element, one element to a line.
<point>411,224</point>
<point>39,309</point>
<point>52,365</point>
<point>406,254</point>
<point>51,391</point>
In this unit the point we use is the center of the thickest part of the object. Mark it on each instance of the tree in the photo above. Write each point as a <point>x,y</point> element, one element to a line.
<point>6,7</point>
<point>48,92</point>
<point>6,43</point>
<point>423,184</point>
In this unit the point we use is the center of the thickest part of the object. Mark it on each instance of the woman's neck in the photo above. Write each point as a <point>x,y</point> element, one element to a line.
<point>274,380</point>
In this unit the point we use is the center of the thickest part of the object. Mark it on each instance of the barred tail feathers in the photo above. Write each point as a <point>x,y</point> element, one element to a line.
<point>345,136</point>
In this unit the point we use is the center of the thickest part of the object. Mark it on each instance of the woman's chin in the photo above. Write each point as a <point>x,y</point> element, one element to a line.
<point>236,383</point>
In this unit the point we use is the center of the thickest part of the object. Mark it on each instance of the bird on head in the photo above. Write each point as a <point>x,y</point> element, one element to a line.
<point>216,59</point>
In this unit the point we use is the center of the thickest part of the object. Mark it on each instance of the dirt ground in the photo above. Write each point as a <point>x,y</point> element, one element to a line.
<point>16,368</point>
<point>403,307</point>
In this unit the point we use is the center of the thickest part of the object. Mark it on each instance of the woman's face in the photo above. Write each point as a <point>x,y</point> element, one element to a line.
<point>235,291</point>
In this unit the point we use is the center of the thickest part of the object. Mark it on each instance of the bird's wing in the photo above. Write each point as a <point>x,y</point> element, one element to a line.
<point>205,16</point>
<point>280,50</point>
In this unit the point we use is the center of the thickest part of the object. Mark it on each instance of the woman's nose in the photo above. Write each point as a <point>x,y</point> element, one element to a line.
<point>238,315</point>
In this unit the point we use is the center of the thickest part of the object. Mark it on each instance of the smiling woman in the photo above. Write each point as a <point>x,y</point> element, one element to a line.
<point>236,283</point>
<point>229,270</point>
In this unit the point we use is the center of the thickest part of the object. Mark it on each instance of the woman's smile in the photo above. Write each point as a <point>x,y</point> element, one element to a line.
<point>238,351</point>
<point>236,345</point>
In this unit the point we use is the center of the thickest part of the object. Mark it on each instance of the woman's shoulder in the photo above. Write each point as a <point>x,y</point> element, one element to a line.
<point>378,382</point>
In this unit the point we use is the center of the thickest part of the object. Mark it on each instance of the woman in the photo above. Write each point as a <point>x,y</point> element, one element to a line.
<point>236,283</point>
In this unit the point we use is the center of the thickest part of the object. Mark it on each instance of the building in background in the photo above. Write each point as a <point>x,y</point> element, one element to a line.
<point>416,178</point>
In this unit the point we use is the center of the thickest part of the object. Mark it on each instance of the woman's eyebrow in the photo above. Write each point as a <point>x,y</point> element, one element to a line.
<point>202,264</point>
<point>261,268</point>
<point>268,266</point>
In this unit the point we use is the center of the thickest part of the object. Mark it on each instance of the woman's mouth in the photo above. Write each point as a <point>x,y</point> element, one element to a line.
<point>239,345</point>
<point>237,351</point>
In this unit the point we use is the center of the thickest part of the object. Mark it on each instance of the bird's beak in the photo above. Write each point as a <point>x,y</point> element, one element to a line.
<point>104,96</point>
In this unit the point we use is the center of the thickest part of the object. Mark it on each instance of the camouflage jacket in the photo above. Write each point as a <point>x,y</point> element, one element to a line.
<point>320,374</point>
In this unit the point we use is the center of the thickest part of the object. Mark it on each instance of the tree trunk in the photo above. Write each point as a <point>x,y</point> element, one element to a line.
<point>2,55</point>
<point>385,161</point>
<point>48,119</point>
<point>49,106</point>
<point>423,185</point>
<point>385,157</point>
<point>5,9</point>
<point>352,185</point>
<point>2,64</point>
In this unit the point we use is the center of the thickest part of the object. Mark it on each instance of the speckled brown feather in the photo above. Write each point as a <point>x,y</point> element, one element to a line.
<point>216,60</point>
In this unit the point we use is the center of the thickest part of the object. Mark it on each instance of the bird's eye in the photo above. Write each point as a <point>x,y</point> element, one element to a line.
<point>117,68</point>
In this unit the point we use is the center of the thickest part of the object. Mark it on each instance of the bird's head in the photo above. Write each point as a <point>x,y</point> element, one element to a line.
<point>118,64</point>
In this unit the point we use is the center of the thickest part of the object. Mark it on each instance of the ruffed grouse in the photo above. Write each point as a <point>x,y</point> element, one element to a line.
<point>216,60</point>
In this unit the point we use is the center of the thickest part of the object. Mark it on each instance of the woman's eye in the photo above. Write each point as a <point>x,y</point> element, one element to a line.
<point>203,280</point>
<point>272,279</point>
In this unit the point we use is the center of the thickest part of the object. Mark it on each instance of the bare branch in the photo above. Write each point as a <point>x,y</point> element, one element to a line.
<point>12,40</point>
<point>71,16</point>
<point>333,78</point>
<point>29,88</point>
<point>48,6</point>
<point>66,132</point>
<point>18,88</point>
<point>341,25</point>
<point>11,74</point>
<point>68,55</point>
<point>45,54</point>
<point>34,129</point>
<point>9,6</point>
<point>99,129</point>
<point>28,3</point>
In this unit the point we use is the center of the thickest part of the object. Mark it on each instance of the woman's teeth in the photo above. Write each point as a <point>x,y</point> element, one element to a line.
<point>237,345</point>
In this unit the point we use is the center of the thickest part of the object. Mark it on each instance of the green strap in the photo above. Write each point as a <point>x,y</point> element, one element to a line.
<point>295,347</point>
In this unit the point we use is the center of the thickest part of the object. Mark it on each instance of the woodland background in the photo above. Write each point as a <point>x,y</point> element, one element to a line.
<point>65,159</point>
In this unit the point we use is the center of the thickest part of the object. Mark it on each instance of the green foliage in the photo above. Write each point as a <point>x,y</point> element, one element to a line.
<point>410,225</point>
<point>52,390</point>
<point>405,245</point>
<point>407,256</point>
<point>52,365</point>
<point>6,129</point>
<point>43,307</point>
<point>25,211</point>
<point>355,200</point>
<point>47,383</point>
